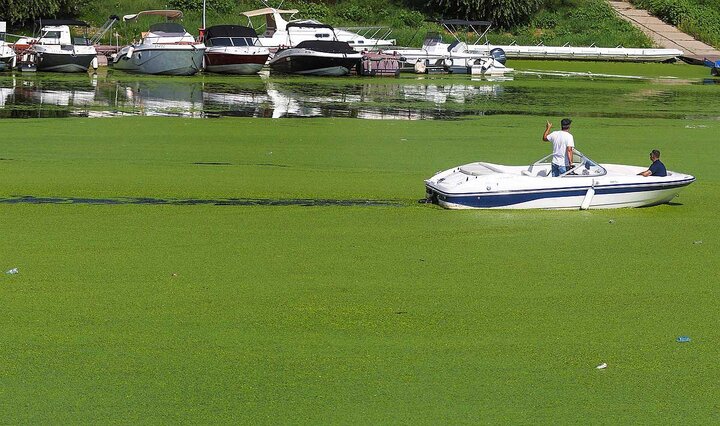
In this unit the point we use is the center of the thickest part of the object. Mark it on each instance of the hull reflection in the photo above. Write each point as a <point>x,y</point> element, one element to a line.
<point>248,97</point>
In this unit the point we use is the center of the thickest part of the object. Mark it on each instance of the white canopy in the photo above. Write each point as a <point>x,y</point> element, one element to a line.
<point>169,14</point>
<point>268,11</point>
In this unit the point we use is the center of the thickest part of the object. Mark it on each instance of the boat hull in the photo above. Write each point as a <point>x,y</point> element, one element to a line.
<point>311,63</point>
<point>604,197</point>
<point>64,62</point>
<point>166,61</point>
<point>228,63</point>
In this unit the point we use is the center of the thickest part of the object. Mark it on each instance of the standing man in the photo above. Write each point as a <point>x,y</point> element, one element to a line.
<point>563,144</point>
<point>657,168</point>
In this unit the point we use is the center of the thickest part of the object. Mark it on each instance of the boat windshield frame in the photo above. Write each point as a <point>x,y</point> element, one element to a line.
<point>582,166</point>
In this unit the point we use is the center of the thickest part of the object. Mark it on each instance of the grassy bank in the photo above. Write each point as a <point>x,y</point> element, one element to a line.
<point>333,314</point>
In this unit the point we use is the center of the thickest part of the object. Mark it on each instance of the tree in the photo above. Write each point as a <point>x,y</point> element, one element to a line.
<point>503,13</point>
<point>18,12</point>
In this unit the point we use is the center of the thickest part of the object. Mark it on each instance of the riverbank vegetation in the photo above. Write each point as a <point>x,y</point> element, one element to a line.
<point>699,18</point>
<point>551,22</point>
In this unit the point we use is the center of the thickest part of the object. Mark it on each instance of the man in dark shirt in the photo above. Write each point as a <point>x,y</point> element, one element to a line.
<point>657,168</point>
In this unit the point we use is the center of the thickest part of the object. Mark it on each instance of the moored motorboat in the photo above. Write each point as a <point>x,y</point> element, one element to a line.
<point>587,185</point>
<point>316,57</point>
<point>233,49</point>
<point>454,58</point>
<point>7,54</point>
<point>276,33</point>
<point>167,48</point>
<point>56,50</point>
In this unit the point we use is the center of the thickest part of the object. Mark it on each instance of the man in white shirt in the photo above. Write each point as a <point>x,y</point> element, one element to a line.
<point>563,143</point>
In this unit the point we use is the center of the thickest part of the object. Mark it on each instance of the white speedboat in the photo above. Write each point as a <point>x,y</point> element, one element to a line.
<point>233,49</point>
<point>276,33</point>
<point>167,48</point>
<point>587,185</point>
<point>316,57</point>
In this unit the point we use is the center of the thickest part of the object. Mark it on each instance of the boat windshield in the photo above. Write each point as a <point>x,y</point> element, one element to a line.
<point>233,41</point>
<point>582,166</point>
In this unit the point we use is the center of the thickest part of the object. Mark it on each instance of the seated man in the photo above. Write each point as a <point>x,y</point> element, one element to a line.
<point>657,168</point>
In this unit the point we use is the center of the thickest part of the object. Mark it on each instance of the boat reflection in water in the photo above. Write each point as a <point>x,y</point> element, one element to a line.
<point>246,97</point>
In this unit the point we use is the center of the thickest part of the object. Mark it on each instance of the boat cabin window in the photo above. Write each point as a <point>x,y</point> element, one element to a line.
<point>220,41</point>
<point>322,35</point>
<point>50,37</point>
<point>243,41</point>
<point>231,41</point>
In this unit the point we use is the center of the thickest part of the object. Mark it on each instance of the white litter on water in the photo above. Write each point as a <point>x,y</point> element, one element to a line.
<point>602,366</point>
<point>12,271</point>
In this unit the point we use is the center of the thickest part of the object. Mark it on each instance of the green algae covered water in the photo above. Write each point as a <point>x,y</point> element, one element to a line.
<point>249,270</point>
<point>586,88</point>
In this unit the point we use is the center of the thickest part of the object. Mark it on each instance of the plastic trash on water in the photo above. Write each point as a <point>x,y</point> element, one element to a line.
<point>683,339</point>
<point>12,271</point>
<point>602,366</point>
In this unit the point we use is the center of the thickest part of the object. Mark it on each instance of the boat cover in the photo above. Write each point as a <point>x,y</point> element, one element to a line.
<point>229,31</point>
<point>308,25</point>
<point>326,46</point>
<point>167,27</point>
<point>268,11</point>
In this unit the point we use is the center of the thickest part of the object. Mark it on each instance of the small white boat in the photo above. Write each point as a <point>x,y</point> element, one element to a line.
<point>587,185</point>
<point>167,48</point>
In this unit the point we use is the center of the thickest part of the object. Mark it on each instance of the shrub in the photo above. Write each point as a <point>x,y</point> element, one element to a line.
<point>503,13</point>
<point>221,6</point>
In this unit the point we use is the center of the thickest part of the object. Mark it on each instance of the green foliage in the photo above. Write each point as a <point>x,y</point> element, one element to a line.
<point>18,12</point>
<point>221,6</point>
<point>699,18</point>
<point>579,23</point>
<point>503,13</point>
<point>311,10</point>
<point>410,18</point>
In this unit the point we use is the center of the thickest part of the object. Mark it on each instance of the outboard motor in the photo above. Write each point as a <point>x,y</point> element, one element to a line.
<point>499,55</point>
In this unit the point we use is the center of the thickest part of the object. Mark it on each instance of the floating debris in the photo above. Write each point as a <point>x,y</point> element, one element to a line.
<point>602,366</point>
<point>697,242</point>
<point>12,271</point>
<point>683,339</point>
<point>611,221</point>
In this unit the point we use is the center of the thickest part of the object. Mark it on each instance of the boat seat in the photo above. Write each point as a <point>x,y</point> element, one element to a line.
<point>541,173</point>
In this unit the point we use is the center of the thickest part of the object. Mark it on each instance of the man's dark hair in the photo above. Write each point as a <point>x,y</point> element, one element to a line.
<point>565,123</point>
<point>655,153</point>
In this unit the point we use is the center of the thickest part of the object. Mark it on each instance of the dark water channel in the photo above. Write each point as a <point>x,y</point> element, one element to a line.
<point>406,98</point>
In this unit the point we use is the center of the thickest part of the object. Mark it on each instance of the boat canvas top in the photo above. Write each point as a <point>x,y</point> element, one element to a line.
<point>168,14</point>
<point>229,31</point>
